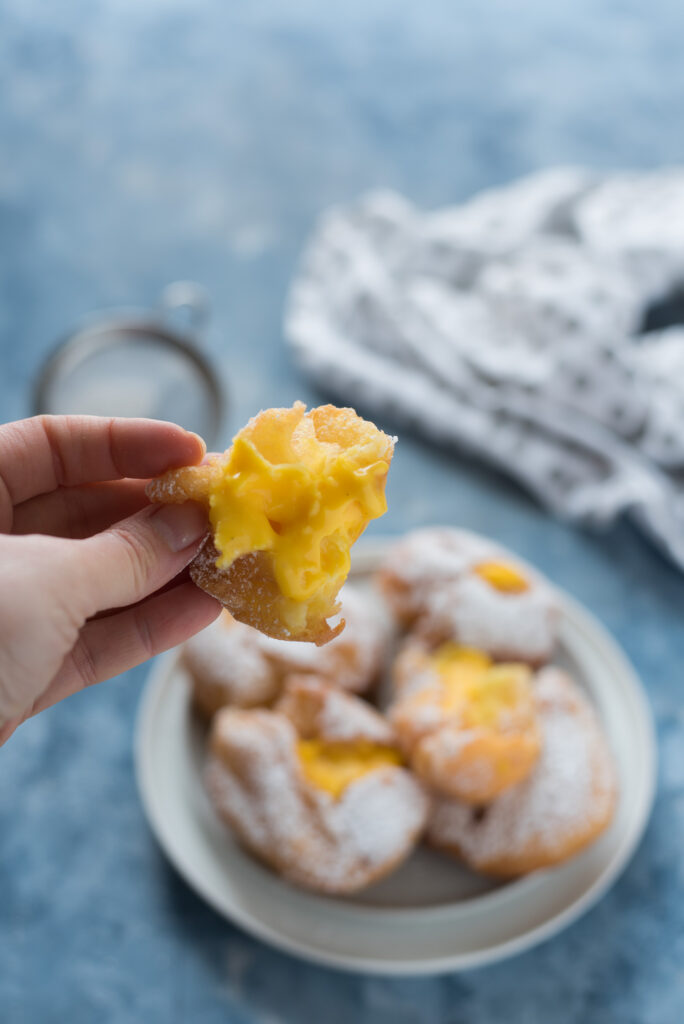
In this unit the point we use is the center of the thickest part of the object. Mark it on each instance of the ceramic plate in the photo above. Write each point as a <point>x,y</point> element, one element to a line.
<point>431,915</point>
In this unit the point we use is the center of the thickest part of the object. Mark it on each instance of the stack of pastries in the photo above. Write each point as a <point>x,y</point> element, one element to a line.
<point>483,748</point>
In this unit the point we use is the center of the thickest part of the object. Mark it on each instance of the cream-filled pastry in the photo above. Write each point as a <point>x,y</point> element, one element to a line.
<point>565,803</point>
<point>468,726</point>
<point>286,502</point>
<point>316,789</point>
<point>454,585</point>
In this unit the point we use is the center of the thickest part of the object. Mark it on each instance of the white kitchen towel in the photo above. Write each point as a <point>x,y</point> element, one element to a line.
<point>512,326</point>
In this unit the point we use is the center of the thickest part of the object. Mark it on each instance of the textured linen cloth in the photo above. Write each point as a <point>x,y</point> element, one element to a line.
<point>512,326</point>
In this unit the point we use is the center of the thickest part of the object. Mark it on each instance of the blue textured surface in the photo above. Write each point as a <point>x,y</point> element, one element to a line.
<point>145,141</point>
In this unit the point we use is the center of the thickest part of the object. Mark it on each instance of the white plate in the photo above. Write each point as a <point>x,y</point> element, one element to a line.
<point>432,915</point>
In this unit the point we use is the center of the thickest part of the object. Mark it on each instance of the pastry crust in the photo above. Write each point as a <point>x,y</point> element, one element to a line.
<point>330,844</point>
<point>454,585</point>
<point>232,664</point>
<point>248,590</point>
<point>470,730</point>
<point>318,710</point>
<point>297,489</point>
<point>564,805</point>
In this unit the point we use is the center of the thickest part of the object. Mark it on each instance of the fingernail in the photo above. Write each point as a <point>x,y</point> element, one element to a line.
<point>200,440</point>
<point>180,525</point>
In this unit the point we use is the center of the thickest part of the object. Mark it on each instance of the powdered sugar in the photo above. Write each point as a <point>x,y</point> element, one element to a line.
<point>342,722</point>
<point>376,820</point>
<point>475,774</point>
<point>318,709</point>
<point>225,657</point>
<point>428,556</point>
<point>505,625</point>
<point>249,777</point>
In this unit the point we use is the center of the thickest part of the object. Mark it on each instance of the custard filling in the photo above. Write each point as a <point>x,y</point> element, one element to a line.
<point>483,694</point>
<point>503,576</point>
<point>301,487</point>
<point>333,766</point>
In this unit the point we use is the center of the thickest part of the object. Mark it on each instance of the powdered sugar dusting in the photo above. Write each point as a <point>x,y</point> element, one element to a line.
<point>427,556</point>
<point>317,708</point>
<point>225,657</point>
<point>476,774</point>
<point>249,777</point>
<point>520,625</point>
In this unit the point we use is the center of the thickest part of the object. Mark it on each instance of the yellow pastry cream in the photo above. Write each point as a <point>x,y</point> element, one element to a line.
<point>286,502</point>
<point>503,576</point>
<point>483,693</point>
<point>333,766</point>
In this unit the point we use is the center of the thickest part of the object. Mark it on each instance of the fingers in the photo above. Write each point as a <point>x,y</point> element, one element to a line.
<point>79,512</point>
<point>137,556</point>
<point>182,577</point>
<point>66,582</point>
<point>111,645</point>
<point>39,454</point>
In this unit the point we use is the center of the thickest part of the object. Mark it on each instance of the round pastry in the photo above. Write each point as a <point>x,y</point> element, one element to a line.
<point>468,726</point>
<point>331,809</point>
<point>232,664</point>
<point>455,585</point>
<point>228,667</point>
<point>564,805</point>
<point>286,502</point>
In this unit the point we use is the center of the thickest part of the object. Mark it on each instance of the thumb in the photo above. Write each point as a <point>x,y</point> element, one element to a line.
<point>137,556</point>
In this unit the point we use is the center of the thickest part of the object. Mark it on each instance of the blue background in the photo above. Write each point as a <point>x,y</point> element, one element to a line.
<point>142,141</point>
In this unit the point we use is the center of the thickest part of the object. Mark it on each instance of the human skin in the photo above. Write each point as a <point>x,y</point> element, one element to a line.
<point>92,575</point>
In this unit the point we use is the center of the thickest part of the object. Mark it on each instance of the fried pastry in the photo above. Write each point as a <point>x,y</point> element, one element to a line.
<point>227,667</point>
<point>454,585</point>
<point>232,664</point>
<point>286,502</point>
<point>468,726</point>
<point>565,803</point>
<point>316,789</point>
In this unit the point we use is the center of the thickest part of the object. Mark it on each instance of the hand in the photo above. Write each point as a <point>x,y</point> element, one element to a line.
<point>89,570</point>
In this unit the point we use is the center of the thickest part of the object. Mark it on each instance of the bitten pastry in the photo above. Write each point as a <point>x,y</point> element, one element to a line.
<point>454,585</point>
<point>330,808</point>
<point>468,726</point>
<point>564,805</point>
<point>286,502</point>
<point>232,664</point>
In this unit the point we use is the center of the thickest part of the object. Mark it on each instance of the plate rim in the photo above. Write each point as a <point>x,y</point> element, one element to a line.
<point>365,559</point>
